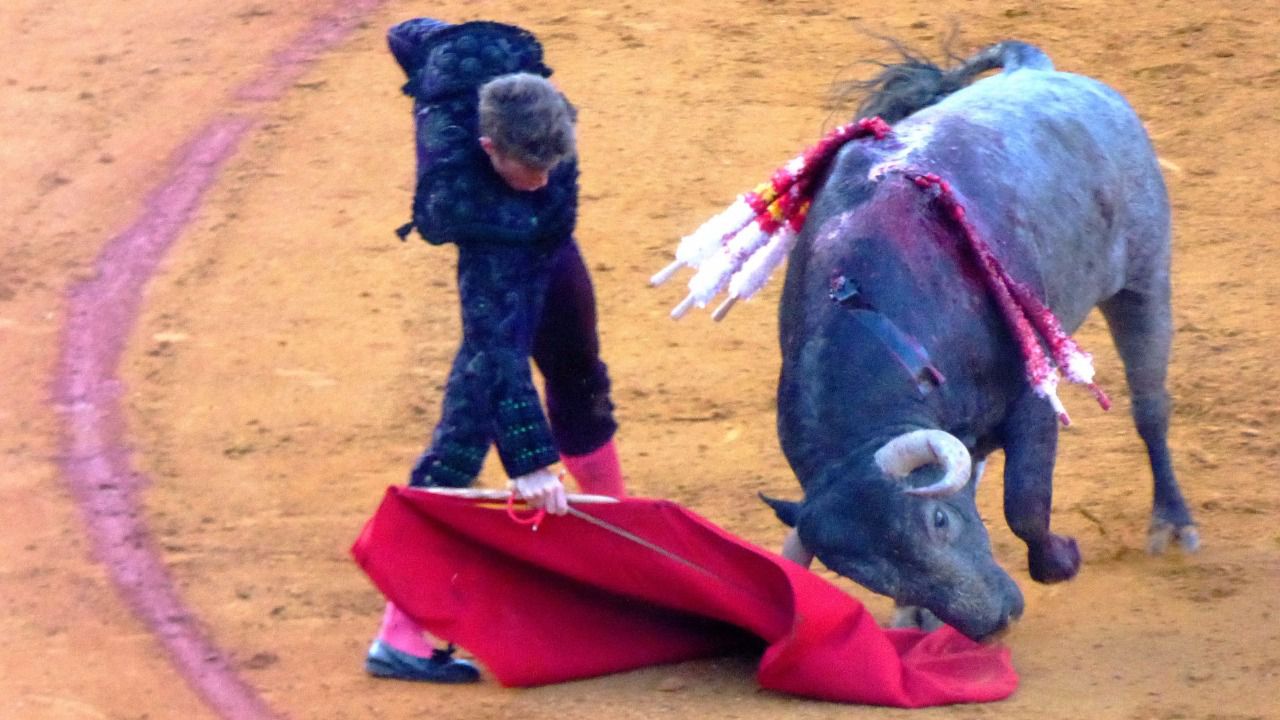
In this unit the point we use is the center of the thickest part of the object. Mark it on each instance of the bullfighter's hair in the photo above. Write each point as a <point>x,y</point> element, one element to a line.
<point>528,119</point>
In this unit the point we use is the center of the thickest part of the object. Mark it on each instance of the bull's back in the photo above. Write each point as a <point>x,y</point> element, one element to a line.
<point>1058,174</point>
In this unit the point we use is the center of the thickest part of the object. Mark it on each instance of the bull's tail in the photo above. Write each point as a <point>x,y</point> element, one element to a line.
<point>1009,55</point>
<point>913,84</point>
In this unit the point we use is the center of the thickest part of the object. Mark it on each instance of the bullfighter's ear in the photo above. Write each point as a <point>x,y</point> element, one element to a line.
<point>787,511</point>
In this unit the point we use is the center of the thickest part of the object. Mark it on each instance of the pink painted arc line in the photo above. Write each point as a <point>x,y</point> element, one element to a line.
<point>101,314</point>
<point>295,59</point>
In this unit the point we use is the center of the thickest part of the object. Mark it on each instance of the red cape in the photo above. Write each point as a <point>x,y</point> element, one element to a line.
<point>573,599</point>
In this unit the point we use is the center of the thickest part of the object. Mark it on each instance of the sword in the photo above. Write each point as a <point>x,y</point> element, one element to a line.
<point>582,499</point>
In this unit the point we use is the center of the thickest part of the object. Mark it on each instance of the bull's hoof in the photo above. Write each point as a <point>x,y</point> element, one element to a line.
<point>1163,532</point>
<point>914,616</point>
<point>1055,560</point>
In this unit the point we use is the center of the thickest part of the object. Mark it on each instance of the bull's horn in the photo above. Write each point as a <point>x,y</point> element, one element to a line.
<point>909,451</point>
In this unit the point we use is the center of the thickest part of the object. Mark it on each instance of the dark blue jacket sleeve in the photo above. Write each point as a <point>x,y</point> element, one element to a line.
<point>503,289</point>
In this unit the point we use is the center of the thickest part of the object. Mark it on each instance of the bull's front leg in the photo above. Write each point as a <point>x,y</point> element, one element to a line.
<point>1030,437</point>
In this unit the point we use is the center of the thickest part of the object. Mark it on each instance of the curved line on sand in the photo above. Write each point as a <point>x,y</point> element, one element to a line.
<point>101,312</point>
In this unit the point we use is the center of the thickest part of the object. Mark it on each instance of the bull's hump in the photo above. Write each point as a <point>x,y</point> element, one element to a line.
<point>910,140</point>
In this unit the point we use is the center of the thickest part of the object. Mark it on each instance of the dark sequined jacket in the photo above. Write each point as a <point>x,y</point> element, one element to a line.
<point>504,238</point>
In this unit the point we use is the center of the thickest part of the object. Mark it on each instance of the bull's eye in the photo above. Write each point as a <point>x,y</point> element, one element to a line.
<point>940,519</point>
<point>942,523</point>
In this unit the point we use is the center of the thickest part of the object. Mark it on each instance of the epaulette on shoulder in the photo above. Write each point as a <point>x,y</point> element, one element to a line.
<point>465,56</point>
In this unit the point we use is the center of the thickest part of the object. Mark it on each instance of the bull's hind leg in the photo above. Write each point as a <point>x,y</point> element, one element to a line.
<point>1142,329</point>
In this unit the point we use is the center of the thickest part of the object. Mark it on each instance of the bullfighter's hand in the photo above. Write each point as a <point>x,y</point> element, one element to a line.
<point>542,489</point>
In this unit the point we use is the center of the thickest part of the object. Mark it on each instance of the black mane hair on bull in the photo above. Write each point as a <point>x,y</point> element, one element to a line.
<point>899,372</point>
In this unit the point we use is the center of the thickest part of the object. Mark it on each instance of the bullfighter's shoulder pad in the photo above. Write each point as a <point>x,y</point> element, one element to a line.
<point>463,57</point>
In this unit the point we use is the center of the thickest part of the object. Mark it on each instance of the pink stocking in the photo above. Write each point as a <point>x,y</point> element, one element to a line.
<point>402,633</point>
<point>598,472</point>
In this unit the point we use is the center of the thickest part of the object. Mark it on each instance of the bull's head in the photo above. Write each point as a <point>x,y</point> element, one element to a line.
<point>904,523</point>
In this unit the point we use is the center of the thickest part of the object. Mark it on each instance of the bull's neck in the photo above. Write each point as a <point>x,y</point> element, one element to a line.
<point>842,397</point>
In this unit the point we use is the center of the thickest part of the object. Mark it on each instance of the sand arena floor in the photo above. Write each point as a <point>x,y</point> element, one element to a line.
<point>216,356</point>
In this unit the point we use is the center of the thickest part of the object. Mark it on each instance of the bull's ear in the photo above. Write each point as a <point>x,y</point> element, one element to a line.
<point>787,511</point>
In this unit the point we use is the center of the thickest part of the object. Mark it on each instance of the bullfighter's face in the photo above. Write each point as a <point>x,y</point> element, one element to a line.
<point>519,175</point>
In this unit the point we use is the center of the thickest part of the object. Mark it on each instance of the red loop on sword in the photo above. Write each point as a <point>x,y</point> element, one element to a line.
<point>533,519</point>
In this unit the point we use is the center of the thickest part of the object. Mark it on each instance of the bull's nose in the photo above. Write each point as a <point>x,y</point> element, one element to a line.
<point>1013,607</point>
<point>1016,605</point>
<point>1012,596</point>
<point>999,634</point>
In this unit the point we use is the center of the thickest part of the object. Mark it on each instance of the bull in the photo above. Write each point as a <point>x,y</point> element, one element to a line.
<point>899,374</point>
